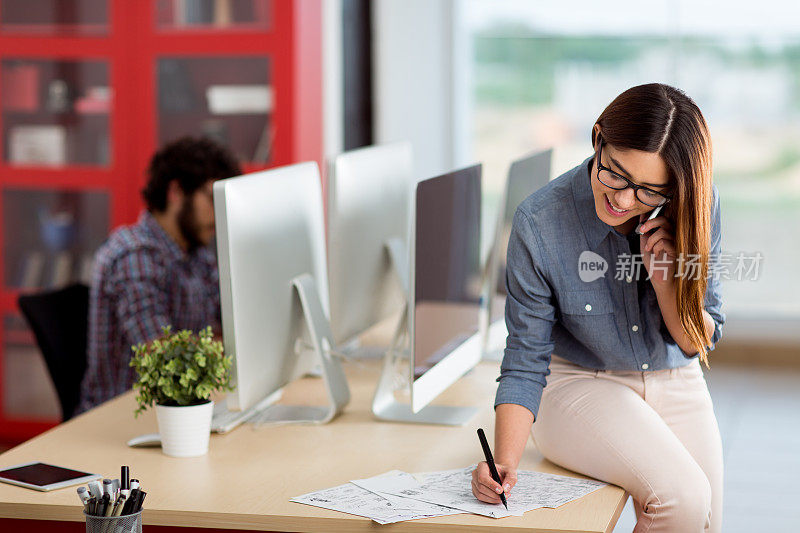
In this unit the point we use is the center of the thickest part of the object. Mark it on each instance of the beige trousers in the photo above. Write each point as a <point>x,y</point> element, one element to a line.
<point>652,433</point>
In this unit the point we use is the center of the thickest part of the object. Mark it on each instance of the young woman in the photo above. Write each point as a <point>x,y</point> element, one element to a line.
<point>619,321</point>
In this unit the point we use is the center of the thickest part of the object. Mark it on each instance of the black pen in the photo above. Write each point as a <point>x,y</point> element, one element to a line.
<point>103,505</point>
<point>125,478</point>
<point>129,503</point>
<point>490,461</point>
<point>140,502</point>
<point>90,505</point>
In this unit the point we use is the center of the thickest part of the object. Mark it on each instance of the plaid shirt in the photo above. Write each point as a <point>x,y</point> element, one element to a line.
<point>141,281</point>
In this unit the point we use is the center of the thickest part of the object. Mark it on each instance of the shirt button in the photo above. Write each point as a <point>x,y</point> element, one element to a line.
<point>635,327</point>
<point>628,279</point>
<point>588,307</point>
<point>645,366</point>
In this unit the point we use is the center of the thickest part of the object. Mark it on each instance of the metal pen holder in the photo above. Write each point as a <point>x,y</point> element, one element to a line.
<point>129,523</point>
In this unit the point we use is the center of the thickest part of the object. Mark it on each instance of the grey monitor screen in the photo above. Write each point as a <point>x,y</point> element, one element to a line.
<point>447,279</point>
<point>525,176</point>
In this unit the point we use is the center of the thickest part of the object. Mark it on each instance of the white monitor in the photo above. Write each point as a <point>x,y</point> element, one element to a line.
<point>273,286</point>
<point>445,278</point>
<point>368,202</point>
<point>445,281</point>
<point>525,176</point>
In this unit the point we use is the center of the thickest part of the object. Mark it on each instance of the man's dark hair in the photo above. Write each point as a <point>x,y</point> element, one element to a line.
<point>192,162</point>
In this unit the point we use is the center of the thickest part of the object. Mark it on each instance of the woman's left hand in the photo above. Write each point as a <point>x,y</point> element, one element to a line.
<point>658,250</point>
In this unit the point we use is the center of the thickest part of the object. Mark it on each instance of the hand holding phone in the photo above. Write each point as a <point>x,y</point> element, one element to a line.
<point>653,215</point>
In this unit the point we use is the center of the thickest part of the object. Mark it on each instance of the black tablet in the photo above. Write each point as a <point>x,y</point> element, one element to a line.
<point>44,477</point>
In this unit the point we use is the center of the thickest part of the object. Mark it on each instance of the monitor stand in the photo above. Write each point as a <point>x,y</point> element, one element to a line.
<point>354,350</point>
<point>384,405</point>
<point>331,370</point>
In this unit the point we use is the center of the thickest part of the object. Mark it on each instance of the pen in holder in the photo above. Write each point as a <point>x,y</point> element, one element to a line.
<point>116,508</point>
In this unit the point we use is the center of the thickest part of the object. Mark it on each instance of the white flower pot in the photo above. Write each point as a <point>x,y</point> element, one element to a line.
<point>185,430</point>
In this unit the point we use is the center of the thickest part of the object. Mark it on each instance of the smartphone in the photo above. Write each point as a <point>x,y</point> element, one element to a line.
<point>45,477</point>
<point>653,215</point>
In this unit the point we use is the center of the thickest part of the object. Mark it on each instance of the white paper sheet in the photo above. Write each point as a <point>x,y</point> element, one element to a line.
<point>352,499</point>
<point>398,478</point>
<point>394,479</point>
<point>452,488</point>
<point>396,496</point>
<point>551,490</point>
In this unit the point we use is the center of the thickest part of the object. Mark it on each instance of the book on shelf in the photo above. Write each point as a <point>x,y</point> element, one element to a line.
<point>96,100</point>
<point>38,145</point>
<point>213,13</point>
<point>20,87</point>
<point>62,270</point>
<point>178,8</point>
<point>198,12</point>
<point>31,270</point>
<point>239,99</point>
<point>223,14</point>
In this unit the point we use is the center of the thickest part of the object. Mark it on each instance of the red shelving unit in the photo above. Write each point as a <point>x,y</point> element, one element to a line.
<point>89,89</point>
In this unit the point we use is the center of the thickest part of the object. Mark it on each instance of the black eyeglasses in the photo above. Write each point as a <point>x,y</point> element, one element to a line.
<point>611,179</point>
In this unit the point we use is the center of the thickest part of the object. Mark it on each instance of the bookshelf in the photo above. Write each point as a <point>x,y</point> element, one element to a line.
<point>89,89</point>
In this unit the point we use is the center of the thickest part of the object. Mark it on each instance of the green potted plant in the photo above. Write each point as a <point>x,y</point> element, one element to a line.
<point>178,372</point>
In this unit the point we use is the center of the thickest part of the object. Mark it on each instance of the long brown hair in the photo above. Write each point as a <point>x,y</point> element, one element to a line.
<point>661,119</point>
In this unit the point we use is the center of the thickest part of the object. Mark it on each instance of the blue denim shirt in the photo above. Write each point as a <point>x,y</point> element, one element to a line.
<point>599,324</point>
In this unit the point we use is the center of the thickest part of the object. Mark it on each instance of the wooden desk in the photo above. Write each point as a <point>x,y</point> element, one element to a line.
<point>248,476</point>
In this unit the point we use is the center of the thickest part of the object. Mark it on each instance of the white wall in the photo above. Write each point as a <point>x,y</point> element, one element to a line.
<point>417,96</point>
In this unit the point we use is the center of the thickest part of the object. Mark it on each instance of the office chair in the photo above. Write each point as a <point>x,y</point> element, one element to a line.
<point>59,320</point>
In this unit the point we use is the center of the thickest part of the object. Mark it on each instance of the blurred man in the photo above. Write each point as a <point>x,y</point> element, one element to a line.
<point>159,271</point>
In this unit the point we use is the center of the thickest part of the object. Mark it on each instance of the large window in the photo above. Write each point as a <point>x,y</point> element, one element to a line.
<point>542,72</point>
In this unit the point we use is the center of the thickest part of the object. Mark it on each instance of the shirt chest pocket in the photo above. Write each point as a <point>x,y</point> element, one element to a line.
<point>585,303</point>
<point>589,316</point>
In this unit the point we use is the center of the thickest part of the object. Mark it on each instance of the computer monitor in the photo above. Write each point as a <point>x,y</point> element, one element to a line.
<point>525,176</point>
<point>444,298</point>
<point>368,203</point>
<point>273,288</point>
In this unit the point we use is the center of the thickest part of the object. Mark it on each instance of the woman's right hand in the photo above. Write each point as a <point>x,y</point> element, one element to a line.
<point>488,490</point>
